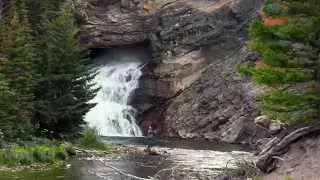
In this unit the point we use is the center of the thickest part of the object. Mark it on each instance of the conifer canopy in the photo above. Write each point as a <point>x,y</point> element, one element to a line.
<point>287,39</point>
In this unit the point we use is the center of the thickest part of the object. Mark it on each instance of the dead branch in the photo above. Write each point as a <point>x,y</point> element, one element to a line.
<point>121,172</point>
<point>126,174</point>
<point>277,145</point>
<point>157,175</point>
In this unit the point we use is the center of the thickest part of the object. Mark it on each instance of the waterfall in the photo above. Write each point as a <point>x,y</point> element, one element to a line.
<point>112,116</point>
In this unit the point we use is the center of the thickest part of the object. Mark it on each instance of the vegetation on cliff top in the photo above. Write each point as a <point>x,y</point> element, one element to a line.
<point>287,39</point>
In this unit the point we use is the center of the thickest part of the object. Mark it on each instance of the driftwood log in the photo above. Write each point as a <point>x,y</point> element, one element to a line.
<point>280,145</point>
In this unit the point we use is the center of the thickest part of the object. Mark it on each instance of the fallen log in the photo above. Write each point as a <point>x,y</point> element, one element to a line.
<point>279,145</point>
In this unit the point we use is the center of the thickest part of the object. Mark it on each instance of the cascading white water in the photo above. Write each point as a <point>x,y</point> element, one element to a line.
<point>112,115</point>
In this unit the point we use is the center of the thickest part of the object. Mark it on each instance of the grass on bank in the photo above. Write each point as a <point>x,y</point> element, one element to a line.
<point>39,154</point>
<point>51,152</point>
<point>91,140</point>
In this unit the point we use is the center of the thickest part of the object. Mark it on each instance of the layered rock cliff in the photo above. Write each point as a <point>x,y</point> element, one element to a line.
<point>190,88</point>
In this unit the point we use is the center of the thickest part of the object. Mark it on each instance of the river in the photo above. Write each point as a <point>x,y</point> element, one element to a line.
<point>182,158</point>
<point>119,70</point>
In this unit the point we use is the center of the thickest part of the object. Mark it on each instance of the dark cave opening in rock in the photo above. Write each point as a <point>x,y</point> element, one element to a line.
<point>137,52</point>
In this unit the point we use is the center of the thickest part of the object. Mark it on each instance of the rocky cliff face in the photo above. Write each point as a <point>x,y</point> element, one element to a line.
<point>219,105</point>
<point>190,88</point>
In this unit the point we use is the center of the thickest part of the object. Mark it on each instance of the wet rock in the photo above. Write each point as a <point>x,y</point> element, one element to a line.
<point>222,177</point>
<point>233,133</point>
<point>199,164</point>
<point>263,121</point>
<point>275,127</point>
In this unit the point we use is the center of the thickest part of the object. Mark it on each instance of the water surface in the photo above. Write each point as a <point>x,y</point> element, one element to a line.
<point>200,156</point>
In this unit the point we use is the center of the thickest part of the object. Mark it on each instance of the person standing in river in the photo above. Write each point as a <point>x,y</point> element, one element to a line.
<point>151,135</point>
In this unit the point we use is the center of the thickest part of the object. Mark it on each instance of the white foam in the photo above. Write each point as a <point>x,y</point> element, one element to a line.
<point>112,115</point>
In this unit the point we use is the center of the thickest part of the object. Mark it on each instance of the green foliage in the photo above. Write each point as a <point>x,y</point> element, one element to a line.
<point>63,87</point>
<point>8,110</point>
<point>259,31</point>
<point>284,53</point>
<point>16,44</point>
<point>90,139</point>
<point>274,58</point>
<point>45,76</point>
<point>272,9</point>
<point>16,75</point>
<point>41,8</point>
<point>298,29</point>
<point>25,155</point>
<point>262,45</point>
<point>290,56</point>
<point>308,7</point>
<point>283,105</point>
<point>273,77</point>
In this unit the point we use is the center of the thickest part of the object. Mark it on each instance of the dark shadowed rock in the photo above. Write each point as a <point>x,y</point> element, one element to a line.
<point>1,8</point>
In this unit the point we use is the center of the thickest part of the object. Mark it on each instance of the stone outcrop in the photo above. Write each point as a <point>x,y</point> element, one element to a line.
<point>220,105</point>
<point>106,23</point>
<point>190,88</point>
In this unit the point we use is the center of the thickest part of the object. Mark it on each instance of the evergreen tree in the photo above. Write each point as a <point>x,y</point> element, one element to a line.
<point>287,38</point>
<point>40,9</point>
<point>64,86</point>
<point>8,110</point>
<point>16,76</point>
